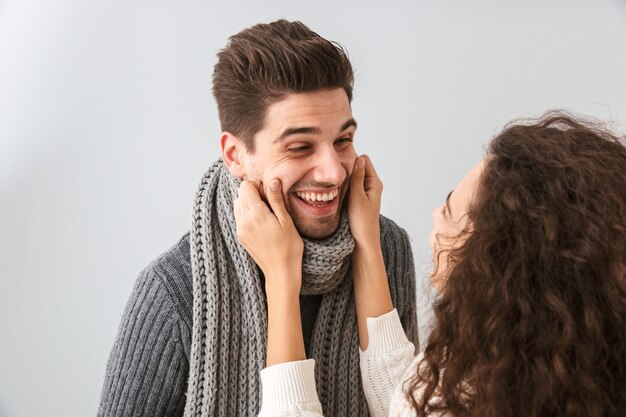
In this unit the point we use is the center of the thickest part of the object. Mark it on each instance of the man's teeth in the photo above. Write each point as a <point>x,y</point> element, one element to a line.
<point>318,196</point>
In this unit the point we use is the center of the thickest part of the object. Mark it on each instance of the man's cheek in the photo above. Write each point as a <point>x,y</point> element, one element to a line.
<point>289,197</point>
<point>350,162</point>
<point>287,200</point>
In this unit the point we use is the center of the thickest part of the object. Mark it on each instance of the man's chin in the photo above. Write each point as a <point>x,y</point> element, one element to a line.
<point>312,225</point>
<point>317,230</point>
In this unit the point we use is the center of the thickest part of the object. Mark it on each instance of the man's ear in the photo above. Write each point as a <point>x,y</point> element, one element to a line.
<point>233,154</point>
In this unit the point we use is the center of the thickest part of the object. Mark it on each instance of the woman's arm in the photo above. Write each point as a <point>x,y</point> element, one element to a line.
<point>270,237</point>
<point>371,287</point>
<point>385,350</point>
<point>288,381</point>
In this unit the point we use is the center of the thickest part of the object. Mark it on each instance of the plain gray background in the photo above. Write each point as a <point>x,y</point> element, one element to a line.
<point>107,123</point>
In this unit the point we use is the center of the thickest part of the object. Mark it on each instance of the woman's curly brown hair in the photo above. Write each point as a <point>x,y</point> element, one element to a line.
<point>532,320</point>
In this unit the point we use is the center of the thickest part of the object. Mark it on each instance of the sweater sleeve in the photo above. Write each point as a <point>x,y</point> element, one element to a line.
<point>288,389</point>
<point>385,361</point>
<point>146,374</point>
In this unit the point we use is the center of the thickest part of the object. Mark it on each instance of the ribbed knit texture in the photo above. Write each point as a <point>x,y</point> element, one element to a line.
<point>287,383</point>
<point>148,368</point>
<point>131,386</point>
<point>385,360</point>
<point>384,334</point>
<point>289,388</point>
<point>229,314</point>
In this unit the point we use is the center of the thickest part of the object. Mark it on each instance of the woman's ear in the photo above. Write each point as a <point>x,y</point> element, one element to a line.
<point>233,154</point>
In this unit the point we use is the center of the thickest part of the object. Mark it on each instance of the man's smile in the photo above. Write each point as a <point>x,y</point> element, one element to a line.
<point>318,203</point>
<point>312,197</point>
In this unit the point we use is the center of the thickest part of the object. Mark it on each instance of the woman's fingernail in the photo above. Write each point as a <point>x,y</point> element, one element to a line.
<point>274,185</point>
<point>360,163</point>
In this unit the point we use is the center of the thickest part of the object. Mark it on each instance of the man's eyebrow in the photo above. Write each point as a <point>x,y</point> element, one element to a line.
<point>448,202</point>
<point>297,131</point>
<point>305,130</point>
<point>347,124</point>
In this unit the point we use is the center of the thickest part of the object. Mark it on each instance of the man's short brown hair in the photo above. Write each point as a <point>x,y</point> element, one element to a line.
<point>262,64</point>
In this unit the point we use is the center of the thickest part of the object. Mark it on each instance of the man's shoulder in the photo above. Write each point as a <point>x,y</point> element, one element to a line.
<point>176,259</point>
<point>172,269</point>
<point>391,233</point>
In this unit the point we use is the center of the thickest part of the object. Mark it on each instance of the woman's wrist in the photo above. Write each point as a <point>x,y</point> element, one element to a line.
<point>371,288</point>
<point>283,284</point>
<point>369,242</point>
<point>368,257</point>
<point>285,342</point>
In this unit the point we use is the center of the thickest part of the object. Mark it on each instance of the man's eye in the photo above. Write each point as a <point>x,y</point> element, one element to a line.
<point>343,140</point>
<point>297,149</point>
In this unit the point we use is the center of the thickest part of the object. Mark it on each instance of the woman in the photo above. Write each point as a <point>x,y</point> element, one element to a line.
<point>530,258</point>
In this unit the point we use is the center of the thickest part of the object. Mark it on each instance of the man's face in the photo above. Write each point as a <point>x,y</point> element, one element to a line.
<point>306,142</point>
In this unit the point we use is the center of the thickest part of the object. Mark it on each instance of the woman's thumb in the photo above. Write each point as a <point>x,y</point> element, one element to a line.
<point>358,174</point>
<point>275,198</point>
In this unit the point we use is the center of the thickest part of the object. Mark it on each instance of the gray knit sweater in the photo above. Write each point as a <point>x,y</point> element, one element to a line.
<point>148,367</point>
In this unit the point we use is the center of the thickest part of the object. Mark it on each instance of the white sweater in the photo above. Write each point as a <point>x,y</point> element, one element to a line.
<point>288,389</point>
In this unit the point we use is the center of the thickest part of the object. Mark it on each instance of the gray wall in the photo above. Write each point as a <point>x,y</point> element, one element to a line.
<point>107,123</point>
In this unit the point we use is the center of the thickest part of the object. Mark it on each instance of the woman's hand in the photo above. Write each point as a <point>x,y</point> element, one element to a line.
<point>275,245</point>
<point>270,236</point>
<point>364,207</point>
<point>371,288</point>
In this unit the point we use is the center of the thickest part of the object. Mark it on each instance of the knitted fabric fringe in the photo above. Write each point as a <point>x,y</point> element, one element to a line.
<point>230,319</point>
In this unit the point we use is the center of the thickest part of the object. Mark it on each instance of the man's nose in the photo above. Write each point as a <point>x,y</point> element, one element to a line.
<point>329,169</point>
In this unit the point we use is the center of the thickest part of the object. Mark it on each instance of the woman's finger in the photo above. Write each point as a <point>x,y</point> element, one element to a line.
<point>249,196</point>
<point>372,184</point>
<point>277,203</point>
<point>357,177</point>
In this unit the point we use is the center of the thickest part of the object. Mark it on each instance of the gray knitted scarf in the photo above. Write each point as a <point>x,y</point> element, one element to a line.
<point>230,319</point>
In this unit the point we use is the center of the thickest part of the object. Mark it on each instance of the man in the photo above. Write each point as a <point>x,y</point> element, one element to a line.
<point>193,336</point>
